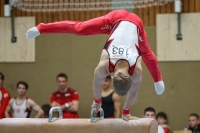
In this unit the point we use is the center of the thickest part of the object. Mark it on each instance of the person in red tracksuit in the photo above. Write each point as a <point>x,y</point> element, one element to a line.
<point>122,54</point>
<point>65,97</point>
<point>4,97</point>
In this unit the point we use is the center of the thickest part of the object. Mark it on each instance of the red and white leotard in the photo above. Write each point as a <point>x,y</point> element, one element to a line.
<point>123,45</point>
<point>105,25</point>
<point>20,110</point>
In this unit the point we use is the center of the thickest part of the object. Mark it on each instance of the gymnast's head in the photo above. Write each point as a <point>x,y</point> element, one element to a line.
<point>22,88</point>
<point>122,82</point>
<point>149,112</point>
<point>62,80</point>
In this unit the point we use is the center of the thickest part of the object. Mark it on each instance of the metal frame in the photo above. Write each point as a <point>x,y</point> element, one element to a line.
<point>92,117</point>
<point>179,35</point>
<point>51,119</point>
<point>13,38</point>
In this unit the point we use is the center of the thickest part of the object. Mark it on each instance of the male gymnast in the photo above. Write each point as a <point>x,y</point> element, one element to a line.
<point>122,54</point>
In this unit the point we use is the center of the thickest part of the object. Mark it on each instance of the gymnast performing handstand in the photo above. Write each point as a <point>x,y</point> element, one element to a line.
<point>122,54</point>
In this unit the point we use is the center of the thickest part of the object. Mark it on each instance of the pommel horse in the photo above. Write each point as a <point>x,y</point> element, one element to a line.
<point>92,125</point>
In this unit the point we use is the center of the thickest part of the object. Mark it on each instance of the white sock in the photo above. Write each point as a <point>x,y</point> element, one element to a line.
<point>32,33</point>
<point>159,87</point>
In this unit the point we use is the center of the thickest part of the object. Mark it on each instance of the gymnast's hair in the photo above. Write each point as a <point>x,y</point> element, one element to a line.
<point>22,83</point>
<point>149,109</point>
<point>46,108</point>
<point>195,115</point>
<point>62,75</point>
<point>108,77</point>
<point>162,115</point>
<point>2,76</point>
<point>122,82</point>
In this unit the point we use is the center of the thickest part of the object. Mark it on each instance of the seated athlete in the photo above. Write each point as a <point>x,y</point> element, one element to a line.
<point>123,52</point>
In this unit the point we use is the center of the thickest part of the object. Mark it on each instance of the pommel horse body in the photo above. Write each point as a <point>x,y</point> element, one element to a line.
<point>93,125</point>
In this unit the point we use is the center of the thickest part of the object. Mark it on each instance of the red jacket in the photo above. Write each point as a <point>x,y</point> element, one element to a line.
<point>4,101</point>
<point>104,25</point>
<point>62,98</point>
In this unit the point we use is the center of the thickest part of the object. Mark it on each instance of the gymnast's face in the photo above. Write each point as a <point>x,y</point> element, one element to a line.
<point>106,84</point>
<point>193,121</point>
<point>161,120</point>
<point>149,114</point>
<point>62,83</point>
<point>21,90</point>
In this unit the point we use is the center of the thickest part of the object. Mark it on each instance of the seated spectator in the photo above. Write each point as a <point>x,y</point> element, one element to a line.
<point>4,97</point>
<point>161,118</point>
<point>111,102</point>
<point>150,113</point>
<point>46,108</point>
<point>194,125</point>
<point>66,98</point>
<point>22,105</point>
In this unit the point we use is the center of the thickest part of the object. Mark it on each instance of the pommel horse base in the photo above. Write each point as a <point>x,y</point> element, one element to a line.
<point>33,125</point>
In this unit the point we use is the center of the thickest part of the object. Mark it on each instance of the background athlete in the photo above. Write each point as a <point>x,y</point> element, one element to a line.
<point>111,102</point>
<point>123,52</point>
<point>21,105</point>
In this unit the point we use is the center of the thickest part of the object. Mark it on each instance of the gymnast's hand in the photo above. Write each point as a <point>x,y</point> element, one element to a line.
<point>97,106</point>
<point>129,117</point>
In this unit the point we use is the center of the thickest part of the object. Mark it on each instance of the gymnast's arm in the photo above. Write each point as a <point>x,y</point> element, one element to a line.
<point>100,74</point>
<point>36,108</point>
<point>117,105</point>
<point>136,80</point>
<point>99,77</point>
<point>151,62</point>
<point>9,107</point>
<point>132,95</point>
<point>73,107</point>
<point>63,107</point>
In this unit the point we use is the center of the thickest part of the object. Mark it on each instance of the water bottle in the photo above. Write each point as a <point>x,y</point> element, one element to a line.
<point>185,129</point>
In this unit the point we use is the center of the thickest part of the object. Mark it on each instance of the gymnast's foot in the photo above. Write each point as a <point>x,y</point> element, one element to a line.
<point>32,33</point>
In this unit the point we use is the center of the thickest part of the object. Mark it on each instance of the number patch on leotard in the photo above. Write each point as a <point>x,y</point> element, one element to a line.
<point>120,52</point>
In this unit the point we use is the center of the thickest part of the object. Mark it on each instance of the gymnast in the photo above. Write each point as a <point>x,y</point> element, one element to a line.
<point>122,54</point>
